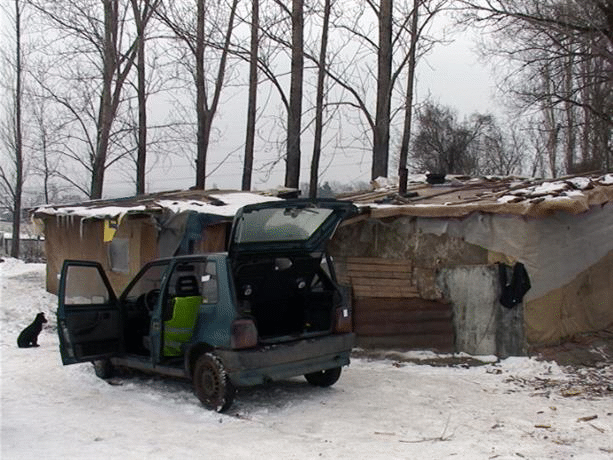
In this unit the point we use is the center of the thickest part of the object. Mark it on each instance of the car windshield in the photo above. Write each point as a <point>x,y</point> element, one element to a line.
<point>145,281</point>
<point>280,224</point>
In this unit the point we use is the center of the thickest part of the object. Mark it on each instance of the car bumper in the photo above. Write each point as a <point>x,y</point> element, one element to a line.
<point>281,361</point>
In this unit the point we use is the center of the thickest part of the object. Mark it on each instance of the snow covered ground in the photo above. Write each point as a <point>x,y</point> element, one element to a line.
<point>379,409</point>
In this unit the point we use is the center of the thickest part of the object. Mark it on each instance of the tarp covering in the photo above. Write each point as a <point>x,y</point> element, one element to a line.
<point>560,230</point>
<point>564,254</point>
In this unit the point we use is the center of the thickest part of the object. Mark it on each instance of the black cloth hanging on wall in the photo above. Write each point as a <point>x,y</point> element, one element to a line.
<point>514,289</point>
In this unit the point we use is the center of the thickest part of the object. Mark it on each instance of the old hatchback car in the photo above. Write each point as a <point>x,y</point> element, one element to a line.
<point>268,309</point>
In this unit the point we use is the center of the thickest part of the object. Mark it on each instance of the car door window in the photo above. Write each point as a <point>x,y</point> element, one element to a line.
<point>84,285</point>
<point>291,224</point>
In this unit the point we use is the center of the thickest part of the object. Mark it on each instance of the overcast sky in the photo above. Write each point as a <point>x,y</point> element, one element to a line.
<point>451,75</point>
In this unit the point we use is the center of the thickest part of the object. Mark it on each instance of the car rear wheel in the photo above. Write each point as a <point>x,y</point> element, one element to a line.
<point>324,378</point>
<point>104,368</point>
<point>211,383</point>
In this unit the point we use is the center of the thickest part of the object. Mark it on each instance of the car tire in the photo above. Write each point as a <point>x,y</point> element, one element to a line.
<point>324,378</point>
<point>104,368</point>
<point>211,383</point>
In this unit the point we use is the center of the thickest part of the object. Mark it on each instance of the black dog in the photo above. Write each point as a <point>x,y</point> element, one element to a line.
<point>29,336</point>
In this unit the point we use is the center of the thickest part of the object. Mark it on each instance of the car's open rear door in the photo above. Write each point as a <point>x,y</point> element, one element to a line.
<point>286,226</point>
<point>89,320</point>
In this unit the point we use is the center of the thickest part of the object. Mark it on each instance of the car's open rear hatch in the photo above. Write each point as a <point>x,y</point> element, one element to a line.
<point>281,273</point>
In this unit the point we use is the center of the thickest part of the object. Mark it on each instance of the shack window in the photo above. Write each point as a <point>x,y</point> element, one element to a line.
<point>119,255</point>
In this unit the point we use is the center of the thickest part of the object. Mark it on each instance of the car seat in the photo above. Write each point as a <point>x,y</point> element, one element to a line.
<point>179,328</point>
<point>187,286</point>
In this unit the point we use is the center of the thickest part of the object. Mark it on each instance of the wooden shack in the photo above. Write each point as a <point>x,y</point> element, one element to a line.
<point>125,233</point>
<point>425,268</point>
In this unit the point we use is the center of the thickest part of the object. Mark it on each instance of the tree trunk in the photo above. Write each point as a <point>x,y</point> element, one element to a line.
<point>105,112</point>
<point>292,170</point>
<point>18,138</point>
<point>206,113</point>
<point>384,74</point>
<point>141,156</point>
<point>586,85</point>
<point>319,104</point>
<point>551,127</point>
<point>253,91</point>
<point>569,108</point>
<point>202,141</point>
<point>408,104</point>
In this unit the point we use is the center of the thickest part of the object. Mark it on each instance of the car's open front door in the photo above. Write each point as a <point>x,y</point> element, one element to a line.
<point>89,320</point>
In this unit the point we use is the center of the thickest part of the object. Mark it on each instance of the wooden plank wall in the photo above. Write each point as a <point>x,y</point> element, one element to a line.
<point>387,308</point>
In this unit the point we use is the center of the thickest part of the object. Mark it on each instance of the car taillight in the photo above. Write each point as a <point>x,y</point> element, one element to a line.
<point>244,334</point>
<point>343,321</point>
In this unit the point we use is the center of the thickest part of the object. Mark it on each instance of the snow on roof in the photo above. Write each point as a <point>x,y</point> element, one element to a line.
<point>607,179</point>
<point>22,236</point>
<point>461,195</point>
<point>218,202</point>
<point>232,202</point>
<point>86,212</point>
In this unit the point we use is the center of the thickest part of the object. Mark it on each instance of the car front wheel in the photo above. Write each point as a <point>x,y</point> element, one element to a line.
<point>211,383</point>
<point>324,378</point>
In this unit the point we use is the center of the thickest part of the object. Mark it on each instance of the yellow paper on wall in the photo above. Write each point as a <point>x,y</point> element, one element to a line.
<point>110,228</point>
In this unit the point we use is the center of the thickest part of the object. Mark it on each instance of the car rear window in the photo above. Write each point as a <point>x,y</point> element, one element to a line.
<point>280,224</point>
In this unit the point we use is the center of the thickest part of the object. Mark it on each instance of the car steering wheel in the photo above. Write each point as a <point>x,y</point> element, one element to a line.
<point>151,298</point>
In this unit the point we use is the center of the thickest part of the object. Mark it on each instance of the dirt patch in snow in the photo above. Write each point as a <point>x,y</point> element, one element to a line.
<point>593,349</point>
<point>588,361</point>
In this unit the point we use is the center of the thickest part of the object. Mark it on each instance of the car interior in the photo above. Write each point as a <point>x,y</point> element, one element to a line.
<point>287,296</point>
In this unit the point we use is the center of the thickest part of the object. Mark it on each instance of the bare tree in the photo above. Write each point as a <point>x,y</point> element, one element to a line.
<point>319,104</point>
<point>569,109</point>
<point>98,35</point>
<point>356,78</point>
<point>347,68</point>
<point>475,146</point>
<point>552,127</point>
<point>499,152</point>
<point>444,145</point>
<point>12,177</point>
<point>46,139</point>
<point>253,91</point>
<point>562,44</point>
<point>211,33</point>
<point>274,30</point>
<point>408,105</point>
<point>142,11</point>
<point>294,114</point>
<point>381,132</point>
